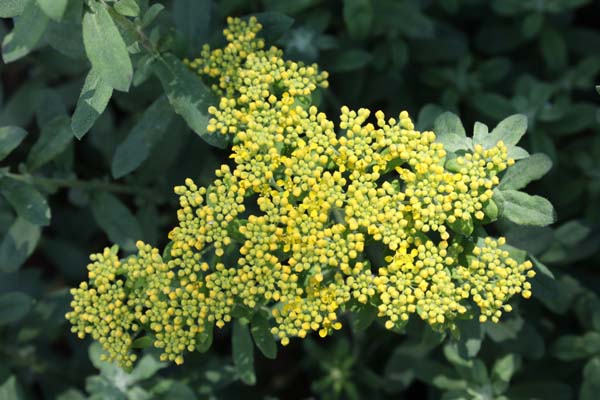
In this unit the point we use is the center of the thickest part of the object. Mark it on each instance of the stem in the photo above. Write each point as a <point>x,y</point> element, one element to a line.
<point>79,184</point>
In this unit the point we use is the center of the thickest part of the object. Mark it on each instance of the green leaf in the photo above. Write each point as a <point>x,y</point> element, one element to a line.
<point>509,130</point>
<point>12,8</point>
<point>571,347</point>
<point>554,49</point>
<point>503,370</point>
<point>546,390</point>
<point>363,316</point>
<point>142,138</point>
<point>204,340</point>
<point>54,139</point>
<point>243,352</point>
<point>450,132</point>
<point>10,389</point>
<point>480,132</point>
<point>54,9</point>
<point>10,138</point>
<point>192,18</point>
<point>19,109</point>
<point>27,32</point>
<point>471,336</point>
<point>106,49</point>
<point>26,200</point>
<point>92,101</point>
<point>576,118</point>
<point>142,342</point>
<point>463,226</point>
<point>527,170</point>
<point>189,97</point>
<point>491,105</point>
<point>524,209</point>
<point>151,14</point>
<point>128,8</point>
<point>358,16</point>
<point>427,116</point>
<point>590,386</point>
<point>275,24</point>
<point>14,306</point>
<point>349,60</point>
<point>18,244</point>
<point>261,332</point>
<point>116,220</point>
<point>146,368</point>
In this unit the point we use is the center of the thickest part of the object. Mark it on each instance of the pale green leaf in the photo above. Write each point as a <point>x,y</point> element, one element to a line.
<point>27,32</point>
<point>11,8</point>
<point>503,370</point>
<point>128,8</point>
<point>450,131</point>
<point>106,48</point>
<point>92,101</point>
<point>510,130</point>
<point>527,170</point>
<point>54,9</point>
<point>480,132</point>
<point>140,141</point>
<point>10,138</point>
<point>524,209</point>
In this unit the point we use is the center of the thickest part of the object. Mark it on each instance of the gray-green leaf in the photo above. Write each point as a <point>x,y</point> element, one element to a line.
<point>26,200</point>
<point>116,220</point>
<point>14,306</point>
<point>53,140</point>
<point>524,209</point>
<point>189,97</point>
<point>527,170</point>
<point>106,48</point>
<point>128,8</point>
<point>53,8</point>
<point>11,8</point>
<point>29,29</point>
<point>93,99</point>
<point>591,380</point>
<point>450,131</point>
<point>510,130</point>
<point>143,137</point>
<point>10,138</point>
<point>243,352</point>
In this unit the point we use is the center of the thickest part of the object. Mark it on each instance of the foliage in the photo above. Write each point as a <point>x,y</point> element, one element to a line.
<point>100,118</point>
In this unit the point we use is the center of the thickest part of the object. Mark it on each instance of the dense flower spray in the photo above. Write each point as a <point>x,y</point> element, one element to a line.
<point>287,227</point>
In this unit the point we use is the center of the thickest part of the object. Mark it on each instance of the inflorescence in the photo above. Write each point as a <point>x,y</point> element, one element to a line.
<point>286,228</point>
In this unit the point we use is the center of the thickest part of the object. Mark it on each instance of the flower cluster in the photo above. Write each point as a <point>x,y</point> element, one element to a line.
<point>286,227</point>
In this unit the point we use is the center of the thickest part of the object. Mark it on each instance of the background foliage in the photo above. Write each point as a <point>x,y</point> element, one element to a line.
<point>96,153</point>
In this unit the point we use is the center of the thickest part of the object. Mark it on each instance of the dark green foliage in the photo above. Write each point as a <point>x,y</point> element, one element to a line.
<point>100,118</point>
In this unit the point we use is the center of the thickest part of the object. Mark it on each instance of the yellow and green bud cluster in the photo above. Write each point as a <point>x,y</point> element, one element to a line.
<point>287,226</point>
